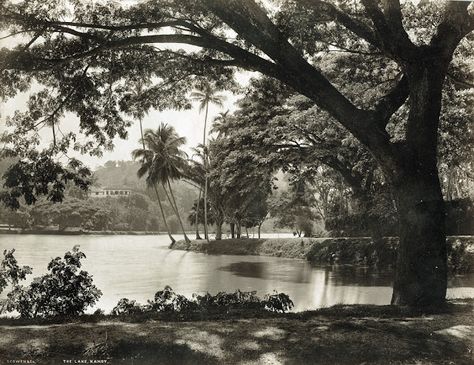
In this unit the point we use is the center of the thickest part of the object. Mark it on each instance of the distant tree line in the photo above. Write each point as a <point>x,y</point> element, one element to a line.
<point>136,212</point>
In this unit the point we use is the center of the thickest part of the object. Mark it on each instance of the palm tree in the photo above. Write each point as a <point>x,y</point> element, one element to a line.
<point>164,161</point>
<point>205,94</point>
<point>145,157</point>
<point>220,123</point>
<point>196,173</point>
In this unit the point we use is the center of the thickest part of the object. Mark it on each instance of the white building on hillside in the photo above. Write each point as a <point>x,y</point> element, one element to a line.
<point>109,192</point>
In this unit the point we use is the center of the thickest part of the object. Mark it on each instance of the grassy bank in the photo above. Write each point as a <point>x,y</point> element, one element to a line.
<point>297,248</point>
<point>350,250</point>
<point>336,335</point>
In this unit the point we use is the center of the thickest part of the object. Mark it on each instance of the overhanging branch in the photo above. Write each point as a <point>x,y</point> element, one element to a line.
<point>389,28</point>
<point>392,101</point>
<point>334,13</point>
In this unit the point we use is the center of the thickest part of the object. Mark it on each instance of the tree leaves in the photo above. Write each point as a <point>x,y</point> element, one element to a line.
<point>41,175</point>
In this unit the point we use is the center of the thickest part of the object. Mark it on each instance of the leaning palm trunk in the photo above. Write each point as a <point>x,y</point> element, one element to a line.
<point>156,191</point>
<point>175,208</point>
<point>206,235</point>
<point>163,215</point>
<point>198,237</point>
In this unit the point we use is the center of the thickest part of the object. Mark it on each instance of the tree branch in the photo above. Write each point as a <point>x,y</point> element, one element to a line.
<point>337,15</point>
<point>392,101</point>
<point>455,25</point>
<point>58,108</point>
<point>389,28</point>
<point>462,83</point>
<point>16,33</point>
<point>240,56</point>
<point>76,33</point>
<point>252,23</point>
<point>57,23</point>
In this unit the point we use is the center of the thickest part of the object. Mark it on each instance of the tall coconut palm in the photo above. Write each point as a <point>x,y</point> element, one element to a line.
<point>145,157</point>
<point>135,93</point>
<point>164,161</point>
<point>196,173</point>
<point>206,94</point>
<point>220,123</point>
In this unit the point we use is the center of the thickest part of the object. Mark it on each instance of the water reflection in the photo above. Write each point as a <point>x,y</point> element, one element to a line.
<point>137,266</point>
<point>284,271</point>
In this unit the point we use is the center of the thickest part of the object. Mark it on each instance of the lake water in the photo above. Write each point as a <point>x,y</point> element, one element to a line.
<point>136,267</point>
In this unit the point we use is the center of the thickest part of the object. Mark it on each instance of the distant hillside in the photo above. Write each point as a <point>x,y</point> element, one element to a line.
<point>119,174</point>
<point>123,174</point>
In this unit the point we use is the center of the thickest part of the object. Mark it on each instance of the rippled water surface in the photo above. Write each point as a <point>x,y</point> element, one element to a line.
<point>136,267</point>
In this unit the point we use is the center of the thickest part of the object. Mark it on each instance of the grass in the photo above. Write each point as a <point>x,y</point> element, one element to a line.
<point>282,247</point>
<point>337,335</point>
<point>345,250</point>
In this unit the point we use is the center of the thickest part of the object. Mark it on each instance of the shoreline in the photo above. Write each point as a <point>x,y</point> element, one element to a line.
<point>337,250</point>
<point>80,233</point>
<point>68,232</point>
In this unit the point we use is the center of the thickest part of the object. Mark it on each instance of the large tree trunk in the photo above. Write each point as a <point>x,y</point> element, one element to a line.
<point>232,230</point>
<point>421,270</point>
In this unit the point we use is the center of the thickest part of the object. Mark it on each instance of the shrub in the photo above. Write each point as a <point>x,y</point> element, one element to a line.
<point>278,302</point>
<point>121,227</point>
<point>63,291</point>
<point>10,272</point>
<point>460,217</point>
<point>236,300</point>
<point>127,306</point>
<point>167,301</point>
<point>460,260</point>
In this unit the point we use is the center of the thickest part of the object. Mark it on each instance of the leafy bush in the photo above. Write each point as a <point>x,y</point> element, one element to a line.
<point>236,300</point>
<point>460,217</point>
<point>356,251</point>
<point>121,227</point>
<point>278,302</point>
<point>10,272</point>
<point>460,260</point>
<point>127,306</point>
<point>63,291</point>
<point>167,301</point>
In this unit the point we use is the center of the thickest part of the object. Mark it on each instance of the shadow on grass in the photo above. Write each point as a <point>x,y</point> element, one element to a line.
<point>336,335</point>
<point>336,311</point>
<point>158,353</point>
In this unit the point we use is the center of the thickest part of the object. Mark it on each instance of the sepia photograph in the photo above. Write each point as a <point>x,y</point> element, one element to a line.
<point>237,182</point>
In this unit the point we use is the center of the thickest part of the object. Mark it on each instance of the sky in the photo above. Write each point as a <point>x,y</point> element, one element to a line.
<point>188,123</point>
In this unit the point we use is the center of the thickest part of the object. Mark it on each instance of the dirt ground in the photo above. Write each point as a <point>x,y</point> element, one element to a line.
<point>337,335</point>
